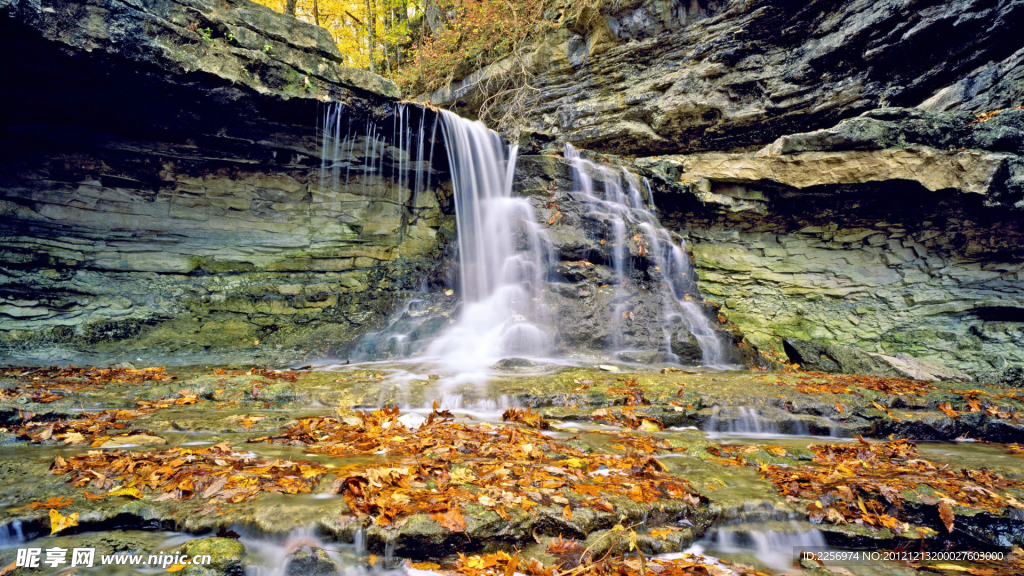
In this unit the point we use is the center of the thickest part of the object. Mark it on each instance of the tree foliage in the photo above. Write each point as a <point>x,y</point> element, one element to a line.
<point>422,44</point>
<point>371,34</point>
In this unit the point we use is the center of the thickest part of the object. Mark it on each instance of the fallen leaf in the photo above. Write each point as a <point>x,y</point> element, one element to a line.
<point>946,513</point>
<point>59,522</point>
<point>53,502</point>
<point>132,492</point>
<point>452,520</point>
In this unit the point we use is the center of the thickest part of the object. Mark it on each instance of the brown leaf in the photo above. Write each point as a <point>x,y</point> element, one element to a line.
<point>946,513</point>
<point>510,568</point>
<point>53,502</point>
<point>948,410</point>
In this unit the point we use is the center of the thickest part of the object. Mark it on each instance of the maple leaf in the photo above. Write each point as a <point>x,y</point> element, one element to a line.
<point>452,519</point>
<point>558,546</point>
<point>53,502</point>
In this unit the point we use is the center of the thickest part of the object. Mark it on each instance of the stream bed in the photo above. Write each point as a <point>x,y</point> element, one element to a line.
<point>724,437</point>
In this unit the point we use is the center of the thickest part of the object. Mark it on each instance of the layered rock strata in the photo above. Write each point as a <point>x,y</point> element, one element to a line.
<point>896,232</point>
<point>161,187</point>
<point>657,76</point>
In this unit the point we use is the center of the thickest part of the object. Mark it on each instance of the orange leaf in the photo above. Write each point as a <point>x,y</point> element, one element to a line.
<point>452,520</point>
<point>946,513</point>
<point>54,502</point>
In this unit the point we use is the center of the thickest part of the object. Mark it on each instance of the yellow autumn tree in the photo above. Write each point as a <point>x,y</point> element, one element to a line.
<point>371,34</point>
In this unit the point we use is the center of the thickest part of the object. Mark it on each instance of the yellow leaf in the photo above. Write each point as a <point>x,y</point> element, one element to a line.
<point>177,567</point>
<point>372,559</point>
<point>59,522</point>
<point>133,492</point>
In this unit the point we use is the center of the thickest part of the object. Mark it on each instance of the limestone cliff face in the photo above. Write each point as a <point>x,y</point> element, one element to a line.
<point>658,76</point>
<point>160,187</point>
<point>895,232</point>
<point>823,159</point>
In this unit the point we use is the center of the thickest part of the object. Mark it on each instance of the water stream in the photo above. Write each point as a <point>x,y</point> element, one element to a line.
<point>622,204</point>
<point>502,254</point>
<point>505,259</point>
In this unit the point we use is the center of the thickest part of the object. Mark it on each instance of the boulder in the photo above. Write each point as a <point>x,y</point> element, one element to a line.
<point>308,561</point>
<point>816,357</point>
<point>226,556</point>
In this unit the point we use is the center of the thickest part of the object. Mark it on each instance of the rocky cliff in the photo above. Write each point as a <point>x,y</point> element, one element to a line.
<point>161,186</point>
<point>848,173</point>
<point>896,232</point>
<point>657,76</point>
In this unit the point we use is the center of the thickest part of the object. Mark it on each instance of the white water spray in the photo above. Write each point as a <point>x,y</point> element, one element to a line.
<point>622,205</point>
<point>502,255</point>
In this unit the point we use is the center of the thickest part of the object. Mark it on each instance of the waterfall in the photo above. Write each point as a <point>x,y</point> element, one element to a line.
<point>621,205</point>
<point>502,254</point>
<point>740,420</point>
<point>776,549</point>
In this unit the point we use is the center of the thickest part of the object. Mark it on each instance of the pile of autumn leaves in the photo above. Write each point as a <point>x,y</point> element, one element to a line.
<point>876,485</point>
<point>991,403</point>
<point>45,385</point>
<point>443,466</point>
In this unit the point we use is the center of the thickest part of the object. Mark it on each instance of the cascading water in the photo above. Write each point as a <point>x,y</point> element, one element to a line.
<point>502,254</point>
<point>776,549</point>
<point>504,257</point>
<point>622,207</point>
<point>740,420</point>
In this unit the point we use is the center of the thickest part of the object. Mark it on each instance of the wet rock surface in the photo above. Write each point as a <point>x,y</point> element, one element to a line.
<point>886,259</point>
<point>163,194</point>
<point>588,406</point>
<point>592,311</point>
